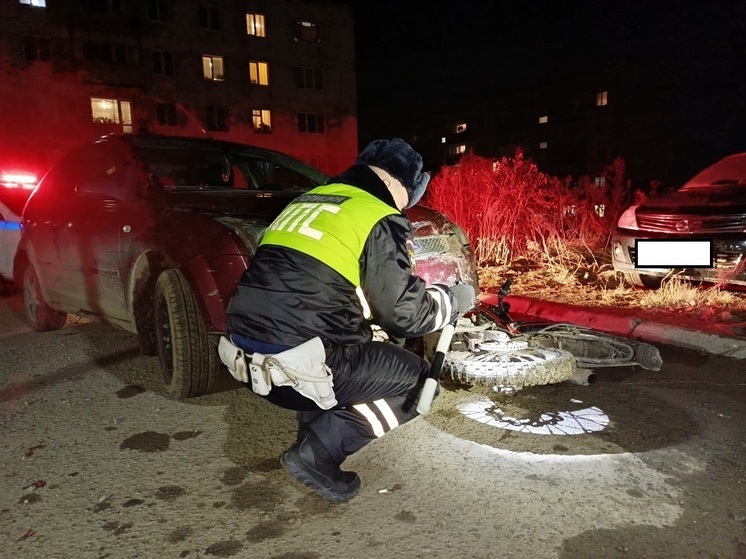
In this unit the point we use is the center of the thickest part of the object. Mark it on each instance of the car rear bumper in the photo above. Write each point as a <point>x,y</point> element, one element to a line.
<point>729,259</point>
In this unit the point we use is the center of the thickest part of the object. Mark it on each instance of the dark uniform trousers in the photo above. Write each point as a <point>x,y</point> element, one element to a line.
<point>377,385</point>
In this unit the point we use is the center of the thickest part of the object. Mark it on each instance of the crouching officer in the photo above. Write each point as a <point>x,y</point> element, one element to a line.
<point>337,259</point>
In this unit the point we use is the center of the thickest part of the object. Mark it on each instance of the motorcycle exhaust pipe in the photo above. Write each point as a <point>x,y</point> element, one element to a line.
<point>583,377</point>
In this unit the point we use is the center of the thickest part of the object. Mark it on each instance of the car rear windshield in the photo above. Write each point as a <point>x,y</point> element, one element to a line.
<point>205,168</point>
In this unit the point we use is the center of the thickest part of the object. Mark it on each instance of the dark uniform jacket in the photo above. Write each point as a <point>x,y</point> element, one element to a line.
<point>287,297</point>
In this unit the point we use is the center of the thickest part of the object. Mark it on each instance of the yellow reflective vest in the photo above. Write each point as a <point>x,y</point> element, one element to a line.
<point>330,223</point>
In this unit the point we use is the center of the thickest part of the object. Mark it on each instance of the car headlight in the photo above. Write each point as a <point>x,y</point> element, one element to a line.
<point>628,220</point>
<point>619,251</point>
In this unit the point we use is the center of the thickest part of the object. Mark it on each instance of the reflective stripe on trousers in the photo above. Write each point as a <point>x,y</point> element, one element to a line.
<point>372,412</point>
<point>377,385</point>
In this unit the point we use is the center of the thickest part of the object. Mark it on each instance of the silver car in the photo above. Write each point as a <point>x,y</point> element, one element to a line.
<point>697,232</point>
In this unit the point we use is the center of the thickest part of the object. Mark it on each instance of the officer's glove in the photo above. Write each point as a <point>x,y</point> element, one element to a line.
<point>465,296</point>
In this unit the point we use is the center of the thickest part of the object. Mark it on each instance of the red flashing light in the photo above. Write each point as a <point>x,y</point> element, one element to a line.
<point>18,180</point>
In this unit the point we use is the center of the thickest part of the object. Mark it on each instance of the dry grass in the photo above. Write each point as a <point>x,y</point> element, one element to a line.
<point>589,280</point>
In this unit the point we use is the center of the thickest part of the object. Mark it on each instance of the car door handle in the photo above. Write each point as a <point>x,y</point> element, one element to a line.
<point>126,229</point>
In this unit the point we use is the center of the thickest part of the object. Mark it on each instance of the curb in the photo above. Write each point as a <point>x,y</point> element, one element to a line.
<point>627,326</point>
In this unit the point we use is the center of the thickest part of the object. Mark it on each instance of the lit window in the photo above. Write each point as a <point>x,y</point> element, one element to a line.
<point>262,120</point>
<point>458,149</point>
<point>543,119</point>
<point>443,140</point>
<point>459,128</point>
<point>602,99</point>
<point>216,118</point>
<point>209,18</point>
<point>309,78</point>
<point>311,123</point>
<point>112,111</point>
<point>126,109</point>
<point>163,63</point>
<point>259,72</point>
<point>37,3</point>
<point>307,32</point>
<point>543,145</point>
<point>212,68</point>
<point>255,24</point>
<point>600,181</point>
<point>165,114</point>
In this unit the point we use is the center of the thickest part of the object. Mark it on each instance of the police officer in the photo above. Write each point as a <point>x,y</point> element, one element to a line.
<point>335,261</point>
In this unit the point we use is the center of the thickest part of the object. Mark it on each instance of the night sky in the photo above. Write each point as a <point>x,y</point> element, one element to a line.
<point>414,56</point>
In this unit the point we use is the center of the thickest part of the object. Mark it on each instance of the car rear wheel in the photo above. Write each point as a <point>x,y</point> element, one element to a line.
<point>39,314</point>
<point>642,280</point>
<point>187,354</point>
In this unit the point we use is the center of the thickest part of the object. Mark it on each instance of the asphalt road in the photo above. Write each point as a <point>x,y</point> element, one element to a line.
<point>96,462</point>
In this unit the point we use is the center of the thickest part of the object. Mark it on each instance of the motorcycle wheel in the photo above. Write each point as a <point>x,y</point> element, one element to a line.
<point>512,370</point>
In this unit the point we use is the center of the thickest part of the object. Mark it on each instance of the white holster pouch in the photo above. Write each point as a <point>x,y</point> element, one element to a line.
<point>302,367</point>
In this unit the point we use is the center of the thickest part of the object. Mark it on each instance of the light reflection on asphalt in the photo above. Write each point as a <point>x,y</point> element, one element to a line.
<point>575,422</point>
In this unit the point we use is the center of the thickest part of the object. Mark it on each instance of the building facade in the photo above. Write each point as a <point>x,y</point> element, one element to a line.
<point>574,127</point>
<point>278,74</point>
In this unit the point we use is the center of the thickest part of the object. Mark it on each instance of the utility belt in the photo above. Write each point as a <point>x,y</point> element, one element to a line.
<point>302,367</point>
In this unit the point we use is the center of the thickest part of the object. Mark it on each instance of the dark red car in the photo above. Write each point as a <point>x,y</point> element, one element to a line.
<point>152,234</point>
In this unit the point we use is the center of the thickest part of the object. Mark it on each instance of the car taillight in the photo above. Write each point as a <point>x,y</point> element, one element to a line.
<point>628,220</point>
<point>18,180</point>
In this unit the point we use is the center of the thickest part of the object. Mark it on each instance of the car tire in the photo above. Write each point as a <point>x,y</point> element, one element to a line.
<point>188,357</point>
<point>39,314</point>
<point>636,279</point>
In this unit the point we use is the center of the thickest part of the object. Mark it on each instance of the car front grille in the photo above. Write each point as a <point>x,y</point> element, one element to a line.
<point>723,258</point>
<point>691,223</point>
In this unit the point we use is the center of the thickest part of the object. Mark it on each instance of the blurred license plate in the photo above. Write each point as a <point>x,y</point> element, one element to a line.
<point>673,253</point>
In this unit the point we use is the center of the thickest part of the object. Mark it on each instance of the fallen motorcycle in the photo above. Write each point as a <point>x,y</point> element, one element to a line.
<point>490,348</point>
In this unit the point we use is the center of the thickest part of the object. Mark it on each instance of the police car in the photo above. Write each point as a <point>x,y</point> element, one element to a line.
<point>15,188</point>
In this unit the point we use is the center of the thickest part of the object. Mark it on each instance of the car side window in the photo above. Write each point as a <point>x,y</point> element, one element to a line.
<point>188,165</point>
<point>106,175</point>
<point>222,172</point>
<point>274,176</point>
<point>168,166</point>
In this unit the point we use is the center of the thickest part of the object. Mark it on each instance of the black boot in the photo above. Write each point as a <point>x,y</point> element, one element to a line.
<point>311,464</point>
<point>305,418</point>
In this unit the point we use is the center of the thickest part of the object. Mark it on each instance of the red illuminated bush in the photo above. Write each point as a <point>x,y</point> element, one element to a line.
<point>511,210</point>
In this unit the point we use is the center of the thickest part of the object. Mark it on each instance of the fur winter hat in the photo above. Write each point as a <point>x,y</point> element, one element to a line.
<point>401,161</point>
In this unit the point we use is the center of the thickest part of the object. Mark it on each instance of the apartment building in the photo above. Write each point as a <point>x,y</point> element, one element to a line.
<point>574,127</point>
<point>279,74</point>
